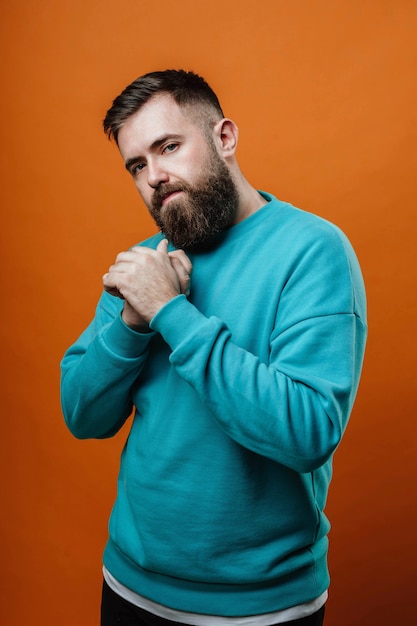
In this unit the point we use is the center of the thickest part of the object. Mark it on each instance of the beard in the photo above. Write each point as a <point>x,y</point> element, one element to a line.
<point>204,210</point>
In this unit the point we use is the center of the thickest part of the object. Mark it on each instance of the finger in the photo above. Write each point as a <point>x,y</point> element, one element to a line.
<point>132,253</point>
<point>183,258</point>
<point>123,267</point>
<point>110,287</point>
<point>183,275</point>
<point>114,292</point>
<point>162,246</point>
<point>183,266</point>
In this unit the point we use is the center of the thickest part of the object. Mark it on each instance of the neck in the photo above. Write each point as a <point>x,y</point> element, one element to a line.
<point>250,200</point>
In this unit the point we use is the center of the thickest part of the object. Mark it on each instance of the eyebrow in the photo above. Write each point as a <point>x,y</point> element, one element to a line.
<point>155,144</point>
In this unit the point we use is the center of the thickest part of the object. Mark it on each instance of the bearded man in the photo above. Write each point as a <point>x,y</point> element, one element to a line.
<point>237,333</point>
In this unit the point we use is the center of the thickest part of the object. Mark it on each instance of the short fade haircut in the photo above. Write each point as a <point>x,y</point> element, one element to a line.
<point>186,88</point>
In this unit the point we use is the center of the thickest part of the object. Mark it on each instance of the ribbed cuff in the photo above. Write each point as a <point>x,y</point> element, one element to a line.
<point>125,342</point>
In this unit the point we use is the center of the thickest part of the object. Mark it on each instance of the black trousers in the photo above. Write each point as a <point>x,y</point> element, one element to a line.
<point>115,611</point>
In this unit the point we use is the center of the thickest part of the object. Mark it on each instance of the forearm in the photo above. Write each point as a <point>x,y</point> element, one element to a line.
<point>98,372</point>
<point>292,409</point>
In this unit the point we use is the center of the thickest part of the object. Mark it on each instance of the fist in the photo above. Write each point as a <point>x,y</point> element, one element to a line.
<point>147,279</point>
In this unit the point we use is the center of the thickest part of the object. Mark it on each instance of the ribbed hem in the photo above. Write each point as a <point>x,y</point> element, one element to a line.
<point>303,585</point>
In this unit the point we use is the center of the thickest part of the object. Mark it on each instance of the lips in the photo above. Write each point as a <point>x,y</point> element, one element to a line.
<point>163,195</point>
<point>169,196</point>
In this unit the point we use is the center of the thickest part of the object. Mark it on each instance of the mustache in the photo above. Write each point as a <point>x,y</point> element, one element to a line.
<point>164,190</point>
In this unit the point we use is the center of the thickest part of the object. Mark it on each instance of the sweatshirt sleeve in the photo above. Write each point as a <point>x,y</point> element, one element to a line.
<point>98,371</point>
<point>293,409</point>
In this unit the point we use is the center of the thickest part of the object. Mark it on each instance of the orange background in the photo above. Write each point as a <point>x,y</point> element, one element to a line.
<point>324,94</point>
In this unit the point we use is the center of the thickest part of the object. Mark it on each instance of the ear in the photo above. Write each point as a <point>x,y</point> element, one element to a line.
<point>226,133</point>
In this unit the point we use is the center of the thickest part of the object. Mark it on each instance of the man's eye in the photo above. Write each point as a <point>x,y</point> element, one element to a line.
<point>138,168</point>
<point>170,147</point>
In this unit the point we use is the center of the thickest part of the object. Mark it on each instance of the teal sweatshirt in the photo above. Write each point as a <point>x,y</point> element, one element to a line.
<point>242,392</point>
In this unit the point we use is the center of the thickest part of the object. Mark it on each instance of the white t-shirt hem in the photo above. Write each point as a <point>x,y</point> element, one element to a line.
<point>196,619</point>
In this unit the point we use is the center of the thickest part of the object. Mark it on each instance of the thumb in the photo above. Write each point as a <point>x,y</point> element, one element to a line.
<point>162,246</point>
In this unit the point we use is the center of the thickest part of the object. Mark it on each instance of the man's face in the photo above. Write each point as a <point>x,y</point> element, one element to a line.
<point>184,182</point>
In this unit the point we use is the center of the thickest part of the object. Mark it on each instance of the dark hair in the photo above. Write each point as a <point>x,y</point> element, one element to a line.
<point>187,88</point>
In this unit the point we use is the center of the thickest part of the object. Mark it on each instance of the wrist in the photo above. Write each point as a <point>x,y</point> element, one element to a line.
<point>134,322</point>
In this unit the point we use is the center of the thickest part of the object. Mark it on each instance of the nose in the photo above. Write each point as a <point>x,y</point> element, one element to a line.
<point>156,173</point>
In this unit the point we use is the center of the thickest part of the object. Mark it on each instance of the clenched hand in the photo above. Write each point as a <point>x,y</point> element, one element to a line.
<point>147,279</point>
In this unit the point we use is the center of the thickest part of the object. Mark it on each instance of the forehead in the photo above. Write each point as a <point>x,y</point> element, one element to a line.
<point>159,117</point>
